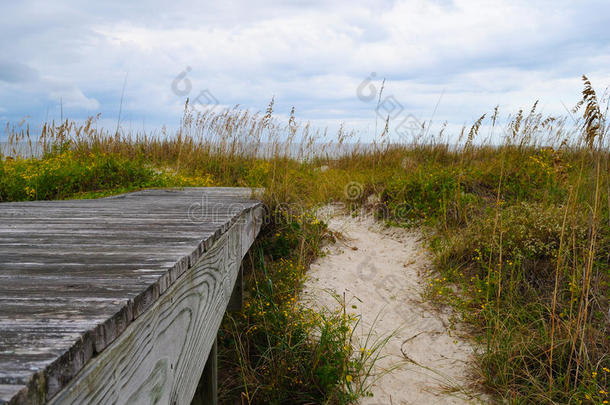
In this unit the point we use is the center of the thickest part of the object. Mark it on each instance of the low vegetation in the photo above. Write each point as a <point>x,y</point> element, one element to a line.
<point>517,216</point>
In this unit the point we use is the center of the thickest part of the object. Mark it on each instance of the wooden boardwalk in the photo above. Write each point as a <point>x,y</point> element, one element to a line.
<point>117,300</point>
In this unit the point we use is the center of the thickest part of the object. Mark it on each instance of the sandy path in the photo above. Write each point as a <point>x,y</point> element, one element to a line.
<point>385,270</point>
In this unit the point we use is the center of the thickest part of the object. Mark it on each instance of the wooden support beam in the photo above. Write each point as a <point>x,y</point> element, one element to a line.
<point>236,302</point>
<point>207,390</point>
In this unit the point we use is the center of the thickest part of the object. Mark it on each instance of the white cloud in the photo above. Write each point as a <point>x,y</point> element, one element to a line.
<point>309,54</point>
<point>72,97</point>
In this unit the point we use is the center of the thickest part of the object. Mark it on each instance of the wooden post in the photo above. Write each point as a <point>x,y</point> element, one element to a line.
<point>207,390</point>
<point>236,301</point>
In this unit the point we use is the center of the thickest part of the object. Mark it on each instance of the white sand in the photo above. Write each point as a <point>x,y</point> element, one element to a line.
<point>385,270</point>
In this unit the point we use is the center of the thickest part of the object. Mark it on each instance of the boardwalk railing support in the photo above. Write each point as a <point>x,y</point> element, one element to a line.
<point>236,301</point>
<point>207,390</point>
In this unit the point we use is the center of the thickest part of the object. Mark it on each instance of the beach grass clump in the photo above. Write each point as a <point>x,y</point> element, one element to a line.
<point>59,175</point>
<point>64,174</point>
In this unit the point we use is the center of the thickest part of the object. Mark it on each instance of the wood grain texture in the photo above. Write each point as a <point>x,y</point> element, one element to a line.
<point>125,292</point>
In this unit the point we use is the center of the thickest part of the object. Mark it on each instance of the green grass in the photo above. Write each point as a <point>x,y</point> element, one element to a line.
<point>522,229</point>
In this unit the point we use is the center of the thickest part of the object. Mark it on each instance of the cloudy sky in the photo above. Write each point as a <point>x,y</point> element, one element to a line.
<point>325,58</point>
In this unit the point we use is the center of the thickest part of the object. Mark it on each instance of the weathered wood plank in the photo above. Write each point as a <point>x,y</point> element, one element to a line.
<point>115,313</point>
